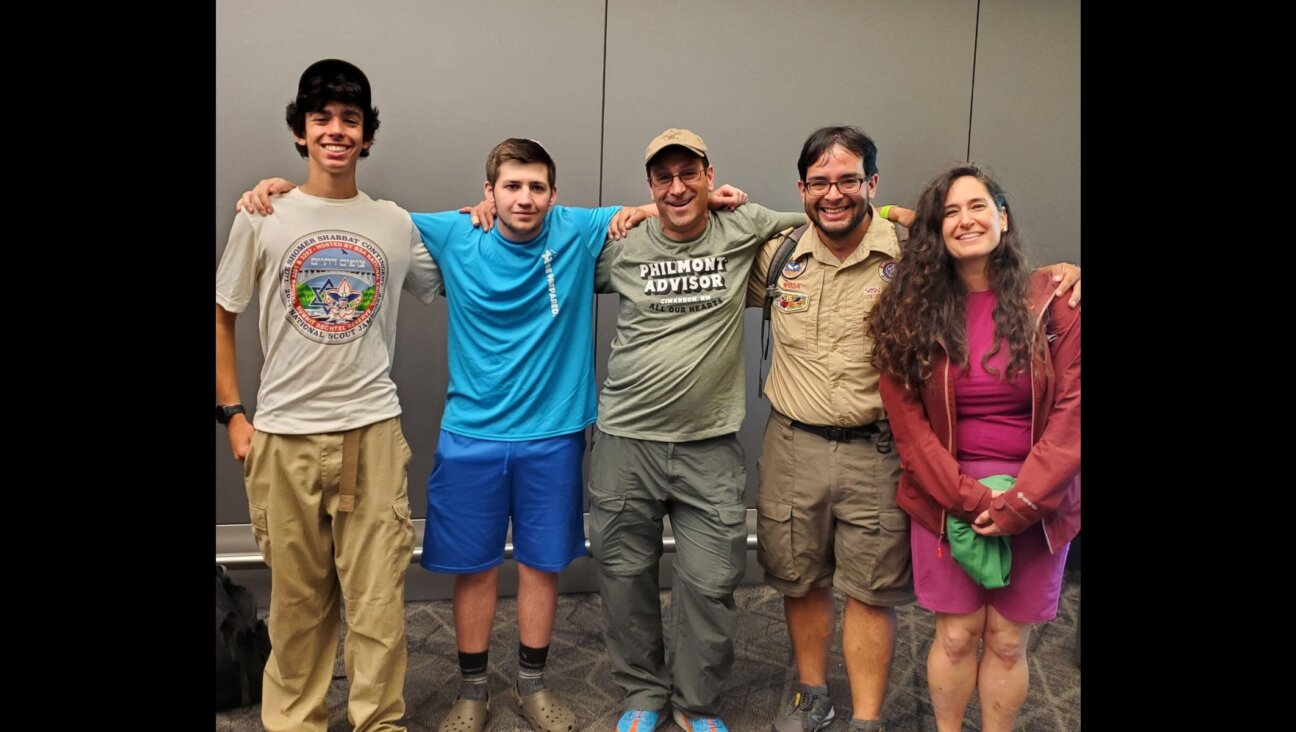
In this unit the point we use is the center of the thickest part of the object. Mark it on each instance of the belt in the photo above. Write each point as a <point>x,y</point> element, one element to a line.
<point>839,434</point>
<point>350,470</point>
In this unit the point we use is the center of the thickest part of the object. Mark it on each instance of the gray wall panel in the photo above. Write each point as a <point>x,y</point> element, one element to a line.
<point>754,79</point>
<point>1026,118</point>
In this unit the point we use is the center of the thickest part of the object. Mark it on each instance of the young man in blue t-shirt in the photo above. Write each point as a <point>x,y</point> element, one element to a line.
<point>520,397</point>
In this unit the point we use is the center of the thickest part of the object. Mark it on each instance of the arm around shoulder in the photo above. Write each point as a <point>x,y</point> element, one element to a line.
<point>423,279</point>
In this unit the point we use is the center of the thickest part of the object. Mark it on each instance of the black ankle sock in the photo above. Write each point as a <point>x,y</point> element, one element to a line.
<point>472,672</point>
<point>531,666</point>
<point>532,658</point>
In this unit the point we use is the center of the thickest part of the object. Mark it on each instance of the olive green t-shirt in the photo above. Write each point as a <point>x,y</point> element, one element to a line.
<point>676,370</point>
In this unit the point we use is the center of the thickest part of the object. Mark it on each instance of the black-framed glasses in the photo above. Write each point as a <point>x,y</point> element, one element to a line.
<point>662,179</point>
<point>847,186</point>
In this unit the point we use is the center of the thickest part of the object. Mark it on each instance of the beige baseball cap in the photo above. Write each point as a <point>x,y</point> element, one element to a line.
<point>684,138</point>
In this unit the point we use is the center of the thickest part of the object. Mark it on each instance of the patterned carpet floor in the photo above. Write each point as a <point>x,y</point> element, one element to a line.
<point>763,674</point>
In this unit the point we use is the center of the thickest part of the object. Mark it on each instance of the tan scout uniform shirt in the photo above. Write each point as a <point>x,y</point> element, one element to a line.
<point>822,365</point>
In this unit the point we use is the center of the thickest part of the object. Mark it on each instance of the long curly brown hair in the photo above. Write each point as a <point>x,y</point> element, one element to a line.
<point>923,308</point>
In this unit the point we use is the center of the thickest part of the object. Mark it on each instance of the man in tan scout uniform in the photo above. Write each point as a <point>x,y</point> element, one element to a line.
<point>828,468</point>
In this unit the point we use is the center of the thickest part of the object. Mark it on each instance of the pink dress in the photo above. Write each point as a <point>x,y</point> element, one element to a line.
<point>993,438</point>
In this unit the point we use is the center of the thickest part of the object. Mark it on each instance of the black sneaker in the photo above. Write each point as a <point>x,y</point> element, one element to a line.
<point>808,711</point>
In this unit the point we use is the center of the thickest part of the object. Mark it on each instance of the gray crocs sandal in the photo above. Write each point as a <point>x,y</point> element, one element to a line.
<point>545,712</point>
<point>466,715</point>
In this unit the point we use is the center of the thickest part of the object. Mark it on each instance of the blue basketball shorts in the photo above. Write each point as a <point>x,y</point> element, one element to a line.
<point>477,486</point>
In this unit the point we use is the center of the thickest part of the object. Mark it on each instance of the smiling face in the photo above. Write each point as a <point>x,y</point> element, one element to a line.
<point>681,206</point>
<point>837,215</point>
<point>334,138</point>
<point>522,196</point>
<point>972,224</point>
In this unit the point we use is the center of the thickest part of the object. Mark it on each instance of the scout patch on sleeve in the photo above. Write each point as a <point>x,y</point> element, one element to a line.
<point>791,302</point>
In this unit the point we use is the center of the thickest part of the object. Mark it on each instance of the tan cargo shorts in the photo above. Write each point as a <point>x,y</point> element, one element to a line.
<point>828,516</point>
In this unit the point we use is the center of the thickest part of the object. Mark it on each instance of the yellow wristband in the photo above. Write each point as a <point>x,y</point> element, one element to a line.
<point>885,211</point>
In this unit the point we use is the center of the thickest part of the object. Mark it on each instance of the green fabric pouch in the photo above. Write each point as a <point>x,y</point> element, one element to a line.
<point>986,559</point>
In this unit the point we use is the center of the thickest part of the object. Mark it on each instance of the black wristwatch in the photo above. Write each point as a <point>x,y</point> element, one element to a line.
<point>226,412</point>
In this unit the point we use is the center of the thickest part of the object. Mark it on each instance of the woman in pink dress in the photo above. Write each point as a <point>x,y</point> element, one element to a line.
<point>980,367</point>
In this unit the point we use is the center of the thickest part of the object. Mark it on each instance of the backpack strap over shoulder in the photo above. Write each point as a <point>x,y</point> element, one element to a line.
<point>781,256</point>
<point>780,259</point>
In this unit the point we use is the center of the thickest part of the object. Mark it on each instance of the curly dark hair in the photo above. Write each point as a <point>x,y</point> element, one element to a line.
<point>330,81</point>
<point>923,308</point>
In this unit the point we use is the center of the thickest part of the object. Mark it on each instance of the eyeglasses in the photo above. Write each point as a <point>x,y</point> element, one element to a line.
<point>846,186</point>
<point>662,179</point>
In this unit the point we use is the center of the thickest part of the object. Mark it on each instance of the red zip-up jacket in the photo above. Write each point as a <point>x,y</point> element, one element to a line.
<point>1048,485</point>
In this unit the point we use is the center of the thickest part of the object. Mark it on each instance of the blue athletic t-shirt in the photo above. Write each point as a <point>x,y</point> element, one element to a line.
<point>521,333</point>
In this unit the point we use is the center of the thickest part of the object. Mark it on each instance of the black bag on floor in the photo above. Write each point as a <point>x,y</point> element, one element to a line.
<point>242,645</point>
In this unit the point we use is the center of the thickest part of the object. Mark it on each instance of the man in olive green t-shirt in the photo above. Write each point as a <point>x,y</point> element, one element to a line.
<point>666,442</point>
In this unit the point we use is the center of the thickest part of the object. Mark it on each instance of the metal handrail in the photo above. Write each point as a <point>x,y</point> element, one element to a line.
<point>236,549</point>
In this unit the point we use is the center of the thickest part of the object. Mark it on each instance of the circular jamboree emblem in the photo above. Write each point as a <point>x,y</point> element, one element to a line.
<point>887,270</point>
<point>332,284</point>
<point>793,269</point>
